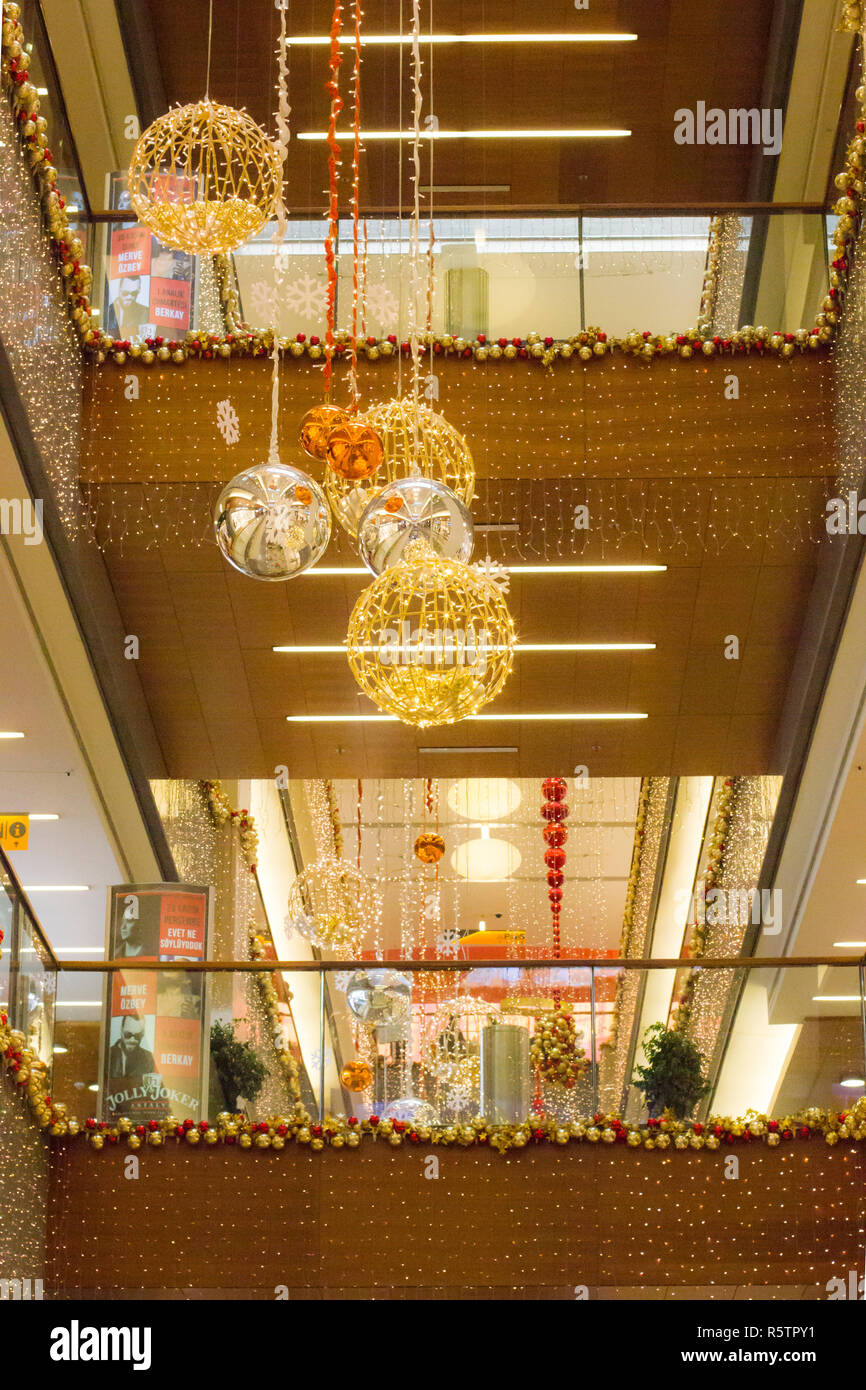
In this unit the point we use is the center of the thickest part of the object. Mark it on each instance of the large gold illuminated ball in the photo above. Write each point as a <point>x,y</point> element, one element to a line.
<point>332,903</point>
<point>431,640</point>
<point>204,178</point>
<point>416,442</point>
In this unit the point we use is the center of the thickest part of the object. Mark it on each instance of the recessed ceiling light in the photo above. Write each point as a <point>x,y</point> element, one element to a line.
<point>93,1087</point>
<point>79,1004</point>
<point>599,133</point>
<point>81,950</point>
<point>853,1082</point>
<point>43,815</point>
<point>518,647</point>
<point>850,945</point>
<point>861,880</point>
<point>56,887</point>
<point>58,1049</point>
<point>473,748</point>
<point>516,718</point>
<point>8,734</point>
<point>323,40</point>
<point>836,998</point>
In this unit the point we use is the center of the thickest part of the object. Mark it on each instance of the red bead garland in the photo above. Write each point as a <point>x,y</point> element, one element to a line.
<point>555,812</point>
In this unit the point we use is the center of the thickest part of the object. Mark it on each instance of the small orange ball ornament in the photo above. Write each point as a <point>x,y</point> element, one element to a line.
<point>316,428</point>
<point>429,848</point>
<point>394,504</point>
<point>354,451</point>
<point>356,1076</point>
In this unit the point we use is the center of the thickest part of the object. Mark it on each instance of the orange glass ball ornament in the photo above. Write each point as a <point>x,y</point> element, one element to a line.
<point>356,1076</point>
<point>429,848</point>
<point>316,428</point>
<point>354,451</point>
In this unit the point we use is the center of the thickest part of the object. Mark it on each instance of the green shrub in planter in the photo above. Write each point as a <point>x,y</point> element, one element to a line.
<point>673,1078</point>
<point>240,1069</point>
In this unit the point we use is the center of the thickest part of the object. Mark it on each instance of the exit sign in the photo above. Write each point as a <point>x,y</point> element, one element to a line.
<point>14,830</point>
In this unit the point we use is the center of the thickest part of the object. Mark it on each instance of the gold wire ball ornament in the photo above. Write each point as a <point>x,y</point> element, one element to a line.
<point>451,1057</point>
<point>356,1076</point>
<point>204,178</point>
<point>316,428</point>
<point>416,442</point>
<point>429,848</point>
<point>431,640</point>
<point>331,903</point>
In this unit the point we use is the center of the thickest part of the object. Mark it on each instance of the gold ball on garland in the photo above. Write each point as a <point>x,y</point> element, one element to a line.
<point>356,1076</point>
<point>429,848</point>
<point>354,451</point>
<point>316,427</point>
<point>204,178</point>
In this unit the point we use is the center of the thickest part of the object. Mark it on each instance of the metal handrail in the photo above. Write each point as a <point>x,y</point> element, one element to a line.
<point>510,963</point>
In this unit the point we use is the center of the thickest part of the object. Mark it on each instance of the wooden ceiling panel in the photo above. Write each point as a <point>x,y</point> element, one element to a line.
<point>727,495</point>
<point>684,53</point>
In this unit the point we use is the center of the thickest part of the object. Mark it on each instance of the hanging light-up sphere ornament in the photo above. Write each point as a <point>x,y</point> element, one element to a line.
<point>410,1110</point>
<point>378,997</point>
<point>415,441</point>
<point>336,900</point>
<point>429,848</point>
<point>410,509</point>
<point>204,178</point>
<point>354,451</point>
<point>430,641</point>
<point>272,521</point>
<point>356,1076</point>
<point>316,428</point>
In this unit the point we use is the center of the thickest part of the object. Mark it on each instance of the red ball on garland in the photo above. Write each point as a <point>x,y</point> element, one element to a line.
<point>554,811</point>
<point>554,835</point>
<point>554,858</point>
<point>553,788</point>
<point>555,879</point>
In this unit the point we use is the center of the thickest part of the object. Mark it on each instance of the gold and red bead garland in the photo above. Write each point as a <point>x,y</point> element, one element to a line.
<point>222,811</point>
<point>337,1132</point>
<point>681,1007</point>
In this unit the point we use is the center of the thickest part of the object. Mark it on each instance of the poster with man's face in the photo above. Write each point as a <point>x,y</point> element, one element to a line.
<point>155,1039</point>
<point>150,288</point>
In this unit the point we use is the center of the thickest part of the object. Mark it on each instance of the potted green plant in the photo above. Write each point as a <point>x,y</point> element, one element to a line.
<point>673,1078</point>
<point>240,1070</point>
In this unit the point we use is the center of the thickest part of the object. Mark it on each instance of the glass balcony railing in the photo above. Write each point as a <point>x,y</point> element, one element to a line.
<point>28,974</point>
<point>441,1043</point>
<point>499,276</point>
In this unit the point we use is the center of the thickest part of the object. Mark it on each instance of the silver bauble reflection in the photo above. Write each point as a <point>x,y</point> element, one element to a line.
<point>410,1110</point>
<point>272,521</point>
<point>378,997</point>
<point>410,509</point>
